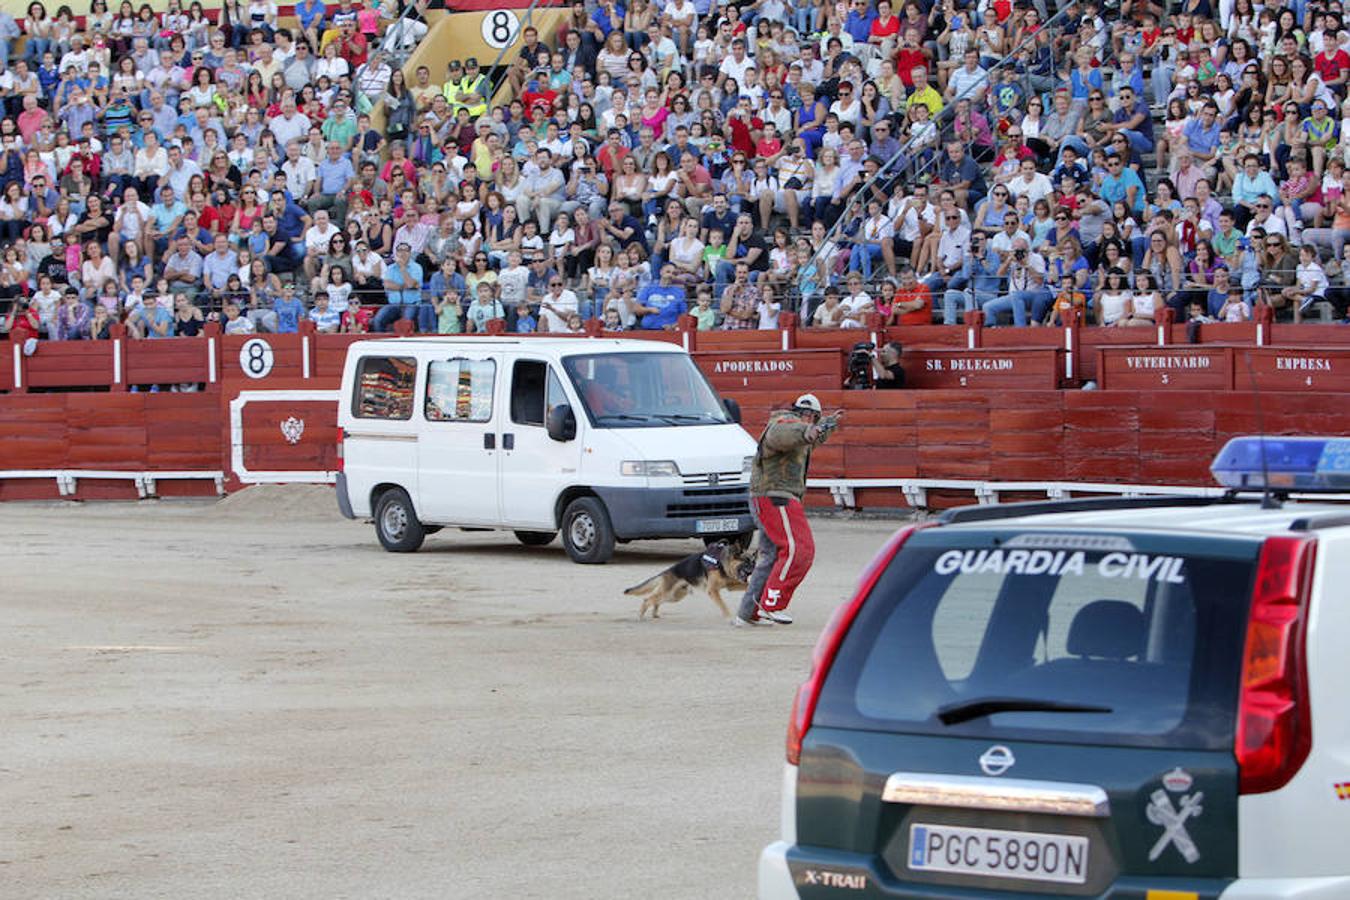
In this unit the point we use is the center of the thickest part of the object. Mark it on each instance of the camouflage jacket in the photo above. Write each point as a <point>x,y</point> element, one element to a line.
<point>784,454</point>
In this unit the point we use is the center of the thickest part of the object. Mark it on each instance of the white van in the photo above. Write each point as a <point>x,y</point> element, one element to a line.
<point>603,440</point>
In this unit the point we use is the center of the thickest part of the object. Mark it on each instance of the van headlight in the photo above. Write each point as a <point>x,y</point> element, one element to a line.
<point>650,468</point>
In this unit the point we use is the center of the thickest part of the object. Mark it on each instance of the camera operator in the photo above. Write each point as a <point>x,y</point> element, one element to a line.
<point>887,373</point>
<point>1024,271</point>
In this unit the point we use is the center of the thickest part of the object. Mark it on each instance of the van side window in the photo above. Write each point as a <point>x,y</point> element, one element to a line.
<point>460,390</point>
<point>384,388</point>
<point>535,390</point>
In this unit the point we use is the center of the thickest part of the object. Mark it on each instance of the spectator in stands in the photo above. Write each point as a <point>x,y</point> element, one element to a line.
<point>978,282</point>
<point>149,132</point>
<point>913,304</point>
<point>403,288</point>
<point>660,305</point>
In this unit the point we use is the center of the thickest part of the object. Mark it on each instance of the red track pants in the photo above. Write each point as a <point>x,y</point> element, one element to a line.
<point>786,527</point>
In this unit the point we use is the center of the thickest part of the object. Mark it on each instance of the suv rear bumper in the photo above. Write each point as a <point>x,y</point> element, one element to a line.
<point>775,878</point>
<point>1334,888</point>
<point>776,883</point>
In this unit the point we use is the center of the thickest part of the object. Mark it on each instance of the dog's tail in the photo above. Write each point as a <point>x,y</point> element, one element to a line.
<point>644,587</point>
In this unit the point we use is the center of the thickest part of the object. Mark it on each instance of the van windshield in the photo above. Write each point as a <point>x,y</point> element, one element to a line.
<point>1058,637</point>
<point>644,390</point>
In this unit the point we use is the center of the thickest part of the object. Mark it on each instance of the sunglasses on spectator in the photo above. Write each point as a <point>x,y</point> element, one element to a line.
<point>953,218</point>
<point>1061,218</point>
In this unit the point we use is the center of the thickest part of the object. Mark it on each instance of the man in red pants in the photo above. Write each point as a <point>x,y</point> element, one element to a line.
<point>777,484</point>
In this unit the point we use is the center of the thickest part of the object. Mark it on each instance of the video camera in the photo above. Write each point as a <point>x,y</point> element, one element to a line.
<point>859,377</point>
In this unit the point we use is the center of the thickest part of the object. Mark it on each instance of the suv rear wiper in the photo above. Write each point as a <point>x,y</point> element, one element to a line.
<point>964,711</point>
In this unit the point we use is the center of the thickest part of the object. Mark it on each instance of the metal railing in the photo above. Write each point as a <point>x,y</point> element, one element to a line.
<point>499,73</point>
<point>891,167</point>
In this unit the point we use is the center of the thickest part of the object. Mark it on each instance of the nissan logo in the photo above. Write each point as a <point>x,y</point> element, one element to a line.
<point>997,760</point>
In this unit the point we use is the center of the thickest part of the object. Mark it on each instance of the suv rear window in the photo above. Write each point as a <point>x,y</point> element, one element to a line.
<point>1061,637</point>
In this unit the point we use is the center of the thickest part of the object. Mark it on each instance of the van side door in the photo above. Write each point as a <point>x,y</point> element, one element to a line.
<point>459,447</point>
<point>535,468</point>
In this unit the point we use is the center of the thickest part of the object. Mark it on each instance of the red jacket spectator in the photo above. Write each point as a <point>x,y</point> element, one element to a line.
<point>1331,62</point>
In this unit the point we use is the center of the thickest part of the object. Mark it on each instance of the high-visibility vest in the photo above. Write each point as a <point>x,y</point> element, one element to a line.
<point>478,86</point>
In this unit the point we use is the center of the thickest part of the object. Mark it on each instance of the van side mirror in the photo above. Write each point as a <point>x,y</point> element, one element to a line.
<point>562,423</point>
<point>733,409</point>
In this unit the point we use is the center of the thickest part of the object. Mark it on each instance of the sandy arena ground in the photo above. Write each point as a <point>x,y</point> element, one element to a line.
<point>251,700</point>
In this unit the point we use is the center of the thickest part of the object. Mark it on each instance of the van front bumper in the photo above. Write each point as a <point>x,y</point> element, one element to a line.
<point>677,512</point>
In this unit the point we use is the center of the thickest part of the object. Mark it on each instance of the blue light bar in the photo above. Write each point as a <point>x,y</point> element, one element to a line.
<point>1292,463</point>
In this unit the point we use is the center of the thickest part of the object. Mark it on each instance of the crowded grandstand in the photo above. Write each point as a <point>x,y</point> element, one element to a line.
<point>851,164</point>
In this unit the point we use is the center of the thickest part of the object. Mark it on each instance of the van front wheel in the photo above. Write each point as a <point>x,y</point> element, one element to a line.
<point>587,533</point>
<point>396,522</point>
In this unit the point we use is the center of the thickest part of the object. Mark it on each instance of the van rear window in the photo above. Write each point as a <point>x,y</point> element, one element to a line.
<point>1049,636</point>
<point>384,388</point>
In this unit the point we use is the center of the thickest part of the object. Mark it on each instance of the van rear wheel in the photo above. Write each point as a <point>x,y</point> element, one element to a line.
<point>587,533</point>
<point>536,538</point>
<point>396,523</point>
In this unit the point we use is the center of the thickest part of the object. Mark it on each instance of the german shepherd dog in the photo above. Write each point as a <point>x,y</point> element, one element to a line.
<point>724,565</point>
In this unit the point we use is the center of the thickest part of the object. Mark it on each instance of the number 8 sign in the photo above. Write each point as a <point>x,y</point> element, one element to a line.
<point>500,28</point>
<point>256,358</point>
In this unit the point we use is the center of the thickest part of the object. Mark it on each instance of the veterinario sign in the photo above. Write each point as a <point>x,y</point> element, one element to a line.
<point>1197,368</point>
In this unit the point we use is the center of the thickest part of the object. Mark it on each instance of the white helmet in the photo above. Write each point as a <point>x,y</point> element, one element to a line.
<point>807,401</point>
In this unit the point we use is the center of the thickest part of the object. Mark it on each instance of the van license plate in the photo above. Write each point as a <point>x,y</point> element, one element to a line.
<point>1027,855</point>
<point>716,526</point>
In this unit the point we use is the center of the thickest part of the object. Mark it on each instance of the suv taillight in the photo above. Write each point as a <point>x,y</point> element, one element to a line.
<point>1274,728</point>
<point>827,645</point>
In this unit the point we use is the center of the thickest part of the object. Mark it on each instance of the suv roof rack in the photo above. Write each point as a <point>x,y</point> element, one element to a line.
<point>1313,523</point>
<point>966,514</point>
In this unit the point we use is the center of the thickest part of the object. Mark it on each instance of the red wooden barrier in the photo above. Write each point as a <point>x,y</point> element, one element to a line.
<point>70,364</point>
<point>118,432</point>
<point>167,361</point>
<point>1143,436</point>
<point>10,354</point>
